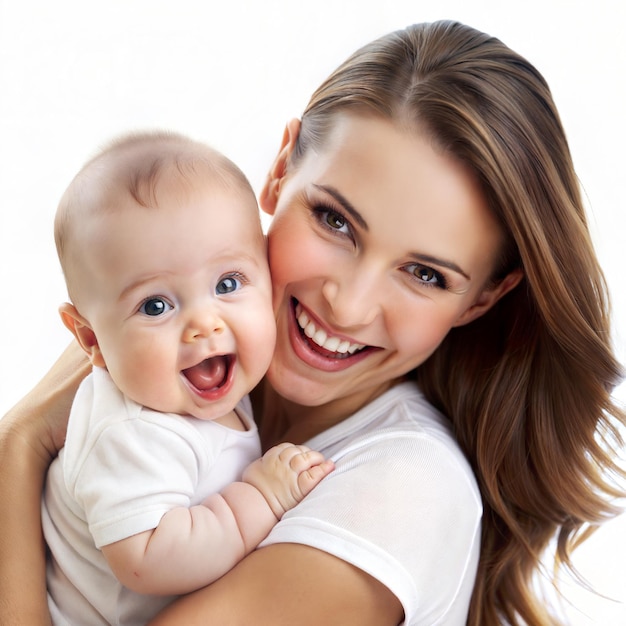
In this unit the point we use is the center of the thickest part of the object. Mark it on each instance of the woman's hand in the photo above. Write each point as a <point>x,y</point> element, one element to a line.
<point>31,434</point>
<point>40,418</point>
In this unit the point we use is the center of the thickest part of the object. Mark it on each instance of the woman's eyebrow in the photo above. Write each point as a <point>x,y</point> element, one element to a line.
<point>338,196</point>
<point>425,258</point>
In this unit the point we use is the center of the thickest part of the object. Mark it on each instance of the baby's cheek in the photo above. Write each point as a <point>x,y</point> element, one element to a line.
<point>261,343</point>
<point>147,368</point>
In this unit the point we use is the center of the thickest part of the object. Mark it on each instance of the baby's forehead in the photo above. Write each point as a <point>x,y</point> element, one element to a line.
<point>156,176</point>
<point>152,171</point>
<point>144,171</point>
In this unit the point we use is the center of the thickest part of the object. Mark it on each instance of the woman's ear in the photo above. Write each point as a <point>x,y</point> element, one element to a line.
<point>84,334</point>
<point>271,189</point>
<point>489,297</point>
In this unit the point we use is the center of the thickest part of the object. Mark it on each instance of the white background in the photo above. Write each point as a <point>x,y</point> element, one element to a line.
<point>74,73</point>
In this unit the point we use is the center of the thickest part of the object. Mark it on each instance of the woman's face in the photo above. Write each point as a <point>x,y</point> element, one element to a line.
<point>379,245</point>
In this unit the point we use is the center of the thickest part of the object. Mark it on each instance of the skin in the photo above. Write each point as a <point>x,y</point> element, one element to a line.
<point>366,283</point>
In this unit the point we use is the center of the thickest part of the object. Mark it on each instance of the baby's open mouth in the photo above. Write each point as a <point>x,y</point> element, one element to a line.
<point>211,373</point>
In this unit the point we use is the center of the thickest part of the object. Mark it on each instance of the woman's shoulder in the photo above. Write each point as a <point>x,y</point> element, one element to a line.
<point>400,425</point>
<point>402,504</point>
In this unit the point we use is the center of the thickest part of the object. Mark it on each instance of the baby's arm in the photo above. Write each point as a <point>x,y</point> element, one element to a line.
<point>192,547</point>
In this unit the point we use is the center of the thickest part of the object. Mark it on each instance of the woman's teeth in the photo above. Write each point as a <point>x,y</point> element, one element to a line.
<point>319,336</point>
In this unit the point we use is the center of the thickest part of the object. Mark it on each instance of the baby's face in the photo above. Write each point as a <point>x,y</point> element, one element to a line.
<point>179,298</point>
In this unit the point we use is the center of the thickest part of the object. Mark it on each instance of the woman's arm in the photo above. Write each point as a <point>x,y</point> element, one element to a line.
<point>286,584</point>
<point>30,436</point>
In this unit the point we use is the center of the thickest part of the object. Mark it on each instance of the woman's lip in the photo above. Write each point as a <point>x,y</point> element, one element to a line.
<point>314,355</point>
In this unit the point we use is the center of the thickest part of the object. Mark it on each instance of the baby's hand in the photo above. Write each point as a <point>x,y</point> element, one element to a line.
<point>286,473</point>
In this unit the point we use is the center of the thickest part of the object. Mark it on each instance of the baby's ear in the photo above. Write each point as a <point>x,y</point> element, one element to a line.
<point>80,328</point>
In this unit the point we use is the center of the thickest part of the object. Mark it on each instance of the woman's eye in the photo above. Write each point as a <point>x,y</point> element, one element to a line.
<point>335,220</point>
<point>155,306</point>
<point>427,275</point>
<point>227,284</point>
<point>332,220</point>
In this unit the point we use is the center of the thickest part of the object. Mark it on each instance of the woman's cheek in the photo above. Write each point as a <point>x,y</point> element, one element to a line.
<point>420,325</point>
<point>294,254</point>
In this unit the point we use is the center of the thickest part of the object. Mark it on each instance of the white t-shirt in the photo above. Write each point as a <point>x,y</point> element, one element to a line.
<point>122,468</point>
<point>402,505</point>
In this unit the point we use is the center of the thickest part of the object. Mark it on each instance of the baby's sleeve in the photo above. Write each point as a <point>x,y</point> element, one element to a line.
<point>133,473</point>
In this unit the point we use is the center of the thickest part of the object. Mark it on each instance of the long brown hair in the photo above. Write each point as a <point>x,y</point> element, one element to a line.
<point>527,386</point>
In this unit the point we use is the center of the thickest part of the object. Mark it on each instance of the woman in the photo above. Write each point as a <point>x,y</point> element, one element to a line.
<point>427,228</point>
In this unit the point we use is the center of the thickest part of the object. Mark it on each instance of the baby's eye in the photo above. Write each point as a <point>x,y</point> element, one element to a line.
<point>228,284</point>
<point>427,275</point>
<point>155,306</point>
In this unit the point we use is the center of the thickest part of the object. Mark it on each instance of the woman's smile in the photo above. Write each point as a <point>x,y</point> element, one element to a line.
<point>322,348</point>
<point>337,347</point>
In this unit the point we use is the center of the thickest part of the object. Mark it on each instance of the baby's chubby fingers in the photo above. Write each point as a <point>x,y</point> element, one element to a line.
<point>294,457</point>
<point>309,466</point>
<point>303,458</point>
<point>310,478</point>
<point>300,458</point>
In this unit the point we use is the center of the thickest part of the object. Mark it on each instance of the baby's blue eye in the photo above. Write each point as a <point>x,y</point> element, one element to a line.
<point>227,284</point>
<point>154,307</point>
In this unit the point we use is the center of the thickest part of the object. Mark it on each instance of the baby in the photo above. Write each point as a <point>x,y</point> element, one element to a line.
<point>157,491</point>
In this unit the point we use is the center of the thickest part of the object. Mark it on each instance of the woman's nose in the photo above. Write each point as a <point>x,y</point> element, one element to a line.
<point>352,301</point>
<point>203,324</point>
